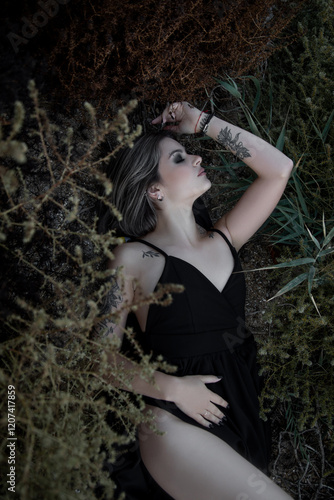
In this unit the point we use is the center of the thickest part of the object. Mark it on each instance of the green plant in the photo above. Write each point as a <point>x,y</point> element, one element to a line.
<point>54,282</point>
<point>294,221</point>
<point>296,354</point>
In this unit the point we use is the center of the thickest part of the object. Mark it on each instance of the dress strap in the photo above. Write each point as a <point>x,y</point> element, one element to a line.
<point>225,238</point>
<point>150,245</point>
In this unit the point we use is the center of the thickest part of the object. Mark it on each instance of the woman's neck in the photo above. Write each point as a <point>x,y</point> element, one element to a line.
<point>177,227</point>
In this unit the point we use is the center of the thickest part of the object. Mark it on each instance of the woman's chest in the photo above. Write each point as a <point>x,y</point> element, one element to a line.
<point>210,269</point>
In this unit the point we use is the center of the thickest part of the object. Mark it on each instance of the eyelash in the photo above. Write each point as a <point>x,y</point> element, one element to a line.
<point>179,159</point>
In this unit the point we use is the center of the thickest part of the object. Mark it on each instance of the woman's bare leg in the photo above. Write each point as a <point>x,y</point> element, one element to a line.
<point>192,464</point>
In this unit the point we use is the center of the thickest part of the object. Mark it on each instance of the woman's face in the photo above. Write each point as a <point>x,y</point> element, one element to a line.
<point>182,176</point>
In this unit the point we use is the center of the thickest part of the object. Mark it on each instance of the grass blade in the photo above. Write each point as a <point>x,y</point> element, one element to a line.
<point>301,198</point>
<point>258,91</point>
<point>310,277</point>
<point>325,252</point>
<point>291,263</point>
<point>315,305</point>
<point>289,239</point>
<point>328,237</point>
<point>289,286</point>
<point>231,89</point>
<point>281,140</point>
<point>315,241</point>
<point>323,224</point>
<point>250,120</point>
<point>327,126</point>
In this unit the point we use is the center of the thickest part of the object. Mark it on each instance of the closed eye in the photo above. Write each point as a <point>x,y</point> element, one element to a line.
<point>178,158</point>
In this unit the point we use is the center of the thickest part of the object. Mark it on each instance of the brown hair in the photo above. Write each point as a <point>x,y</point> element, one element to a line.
<point>133,172</point>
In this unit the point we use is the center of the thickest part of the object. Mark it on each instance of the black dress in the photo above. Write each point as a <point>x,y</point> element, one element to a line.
<point>203,332</point>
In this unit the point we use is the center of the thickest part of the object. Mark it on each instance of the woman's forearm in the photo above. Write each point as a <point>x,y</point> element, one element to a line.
<point>189,393</point>
<point>265,160</point>
<point>126,375</point>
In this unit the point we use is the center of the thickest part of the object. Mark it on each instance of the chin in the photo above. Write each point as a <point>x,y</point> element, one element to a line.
<point>206,186</point>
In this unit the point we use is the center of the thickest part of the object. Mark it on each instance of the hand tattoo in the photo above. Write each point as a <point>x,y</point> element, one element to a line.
<point>225,138</point>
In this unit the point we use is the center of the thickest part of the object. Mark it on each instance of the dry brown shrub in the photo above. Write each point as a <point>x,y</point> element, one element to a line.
<point>163,50</point>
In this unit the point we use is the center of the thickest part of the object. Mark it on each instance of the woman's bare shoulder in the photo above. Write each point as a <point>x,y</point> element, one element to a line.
<point>132,257</point>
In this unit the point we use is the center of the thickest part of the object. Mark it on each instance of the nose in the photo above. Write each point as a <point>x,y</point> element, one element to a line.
<point>197,160</point>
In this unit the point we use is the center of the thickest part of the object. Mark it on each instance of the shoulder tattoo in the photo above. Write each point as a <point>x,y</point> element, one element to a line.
<point>204,232</point>
<point>150,253</point>
<point>225,138</point>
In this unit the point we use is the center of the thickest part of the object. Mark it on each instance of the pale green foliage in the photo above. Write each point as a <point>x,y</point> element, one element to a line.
<point>9,146</point>
<point>56,282</point>
<point>298,353</point>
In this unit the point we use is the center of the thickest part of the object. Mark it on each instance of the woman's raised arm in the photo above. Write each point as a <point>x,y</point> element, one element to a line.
<point>272,167</point>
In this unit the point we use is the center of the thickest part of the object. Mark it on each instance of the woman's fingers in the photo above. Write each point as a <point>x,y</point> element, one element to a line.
<point>210,418</point>
<point>210,379</point>
<point>196,400</point>
<point>218,400</point>
<point>179,117</point>
<point>206,423</point>
<point>212,414</point>
<point>171,113</point>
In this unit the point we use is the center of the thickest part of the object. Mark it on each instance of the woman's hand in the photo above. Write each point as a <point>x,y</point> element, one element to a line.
<point>183,117</point>
<point>197,401</point>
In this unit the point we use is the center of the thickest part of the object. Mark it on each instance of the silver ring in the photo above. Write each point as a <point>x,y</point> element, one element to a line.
<point>205,414</point>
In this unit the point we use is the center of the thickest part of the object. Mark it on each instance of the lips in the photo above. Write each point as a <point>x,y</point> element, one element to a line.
<point>202,172</point>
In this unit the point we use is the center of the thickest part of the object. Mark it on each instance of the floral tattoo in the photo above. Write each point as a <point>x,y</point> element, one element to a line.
<point>112,300</point>
<point>150,253</point>
<point>225,138</point>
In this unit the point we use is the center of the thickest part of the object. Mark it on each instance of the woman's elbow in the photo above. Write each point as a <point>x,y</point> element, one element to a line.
<point>286,167</point>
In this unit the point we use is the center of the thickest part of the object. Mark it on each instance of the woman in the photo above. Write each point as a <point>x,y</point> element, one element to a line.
<point>213,444</point>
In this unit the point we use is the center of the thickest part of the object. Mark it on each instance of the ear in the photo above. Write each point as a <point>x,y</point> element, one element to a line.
<point>155,193</point>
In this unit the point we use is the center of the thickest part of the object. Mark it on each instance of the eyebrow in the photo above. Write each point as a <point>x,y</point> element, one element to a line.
<point>176,151</point>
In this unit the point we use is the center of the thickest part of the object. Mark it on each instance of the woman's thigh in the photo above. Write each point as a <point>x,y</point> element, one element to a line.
<point>192,464</point>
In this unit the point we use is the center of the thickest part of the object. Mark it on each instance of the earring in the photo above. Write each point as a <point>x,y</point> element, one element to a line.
<point>160,198</point>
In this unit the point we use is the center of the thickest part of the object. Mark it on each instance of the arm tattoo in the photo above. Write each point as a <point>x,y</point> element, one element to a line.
<point>104,328</point>
<point>225,138</point>
<point>150,253</point>
<point>111,301</point>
